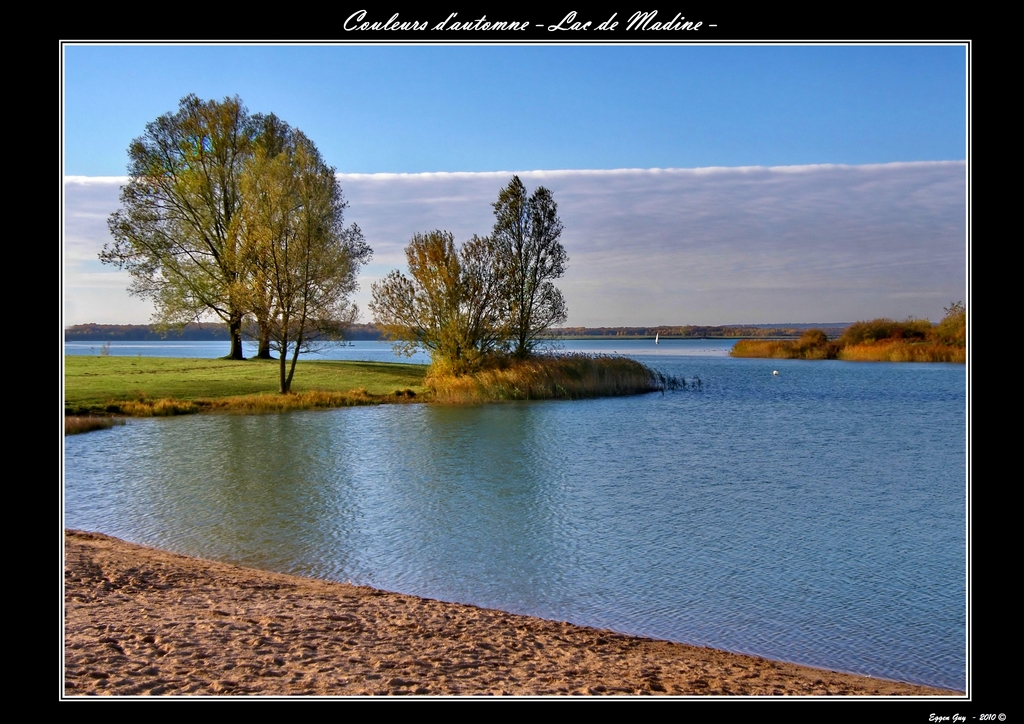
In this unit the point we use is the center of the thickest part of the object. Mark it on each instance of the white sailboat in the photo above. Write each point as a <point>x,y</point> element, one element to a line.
<point>656,335</point>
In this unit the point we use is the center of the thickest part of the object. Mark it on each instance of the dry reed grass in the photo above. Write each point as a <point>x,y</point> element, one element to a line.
<point>766,348</point>
<point>569,376</point>
<point>143,407</point>
<point>903,351</point>
<point>76,425</point>
<point>258,403</point>
<point>315,399</point>
<point>785,349</point>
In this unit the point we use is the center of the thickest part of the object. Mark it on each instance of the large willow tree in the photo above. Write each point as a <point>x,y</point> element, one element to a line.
<point>236,215</point>
<point>177,231</point>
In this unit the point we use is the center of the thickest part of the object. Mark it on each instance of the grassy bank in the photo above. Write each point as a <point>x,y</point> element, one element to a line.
<point>97,387</point>
<point>145,386</point>
<point>569,376</point>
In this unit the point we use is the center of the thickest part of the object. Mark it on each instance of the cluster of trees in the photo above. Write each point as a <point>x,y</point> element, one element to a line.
<point>493,295</point>
<point>142,332</point>
<point>237,215</point>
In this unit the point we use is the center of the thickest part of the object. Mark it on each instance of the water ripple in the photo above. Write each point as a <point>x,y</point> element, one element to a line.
<point>817,516</point>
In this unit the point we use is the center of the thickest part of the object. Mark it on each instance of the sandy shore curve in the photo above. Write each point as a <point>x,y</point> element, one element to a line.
<point>141,621</point>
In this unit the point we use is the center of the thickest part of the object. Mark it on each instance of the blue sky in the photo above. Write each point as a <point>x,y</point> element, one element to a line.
<point>834,197</point>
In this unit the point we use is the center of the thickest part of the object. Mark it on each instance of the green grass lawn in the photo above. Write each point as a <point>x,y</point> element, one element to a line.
<point>92,382</point>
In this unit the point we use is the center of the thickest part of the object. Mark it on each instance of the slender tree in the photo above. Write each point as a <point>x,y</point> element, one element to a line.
<point>303,261</point>
<point>177,231</point>
<point>953,327</point>
<point>529,256</point>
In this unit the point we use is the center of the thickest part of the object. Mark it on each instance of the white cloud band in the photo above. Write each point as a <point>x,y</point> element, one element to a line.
<point>655,246</point>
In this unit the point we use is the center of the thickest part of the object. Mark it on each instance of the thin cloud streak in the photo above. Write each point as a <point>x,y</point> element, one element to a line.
<point>662,246</point>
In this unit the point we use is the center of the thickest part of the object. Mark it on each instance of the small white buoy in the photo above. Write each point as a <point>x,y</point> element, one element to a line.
<point>775,372</point>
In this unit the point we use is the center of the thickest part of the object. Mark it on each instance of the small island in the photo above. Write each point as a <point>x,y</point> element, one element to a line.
<point>877,340</point>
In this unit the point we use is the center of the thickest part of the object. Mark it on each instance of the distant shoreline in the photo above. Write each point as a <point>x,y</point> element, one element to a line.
<point>368,332</point>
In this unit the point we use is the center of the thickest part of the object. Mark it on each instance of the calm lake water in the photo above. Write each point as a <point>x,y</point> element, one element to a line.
<point>814,516</point>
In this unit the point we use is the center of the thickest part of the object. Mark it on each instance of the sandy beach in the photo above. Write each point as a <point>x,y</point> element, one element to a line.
<point>141,621</point>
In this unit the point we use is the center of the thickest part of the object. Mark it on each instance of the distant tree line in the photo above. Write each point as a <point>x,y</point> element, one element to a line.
<point>692,331</point>
<point>213,331</point>
<point>192,332</point>
<point>144,333</point>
